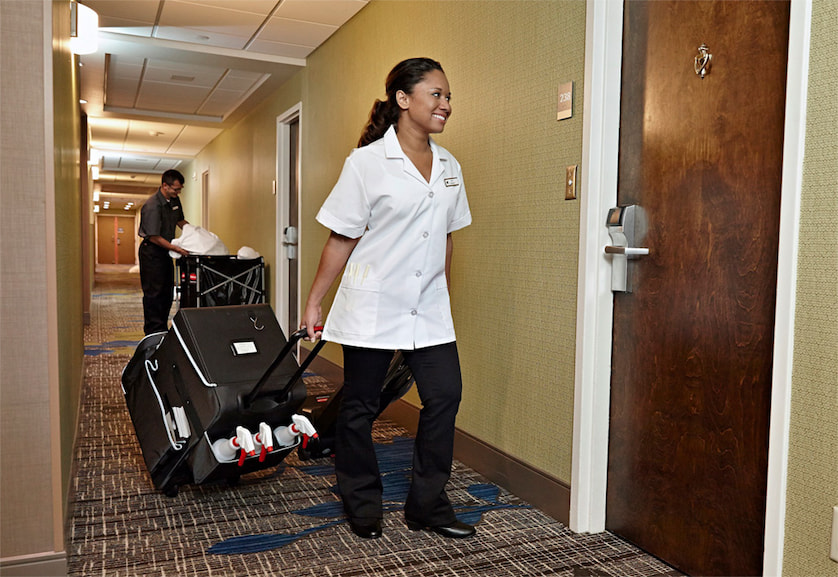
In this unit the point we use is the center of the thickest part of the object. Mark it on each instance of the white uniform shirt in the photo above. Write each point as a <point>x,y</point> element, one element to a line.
<point>393,294</point>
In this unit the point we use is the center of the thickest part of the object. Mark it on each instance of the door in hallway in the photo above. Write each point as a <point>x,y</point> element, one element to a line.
<point>293,223</point>
<point>288,173</point>
<point>692,344</point>
<point>115,239</point>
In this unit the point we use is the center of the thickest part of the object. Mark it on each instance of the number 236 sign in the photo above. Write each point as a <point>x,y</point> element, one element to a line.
<point>565,109</point>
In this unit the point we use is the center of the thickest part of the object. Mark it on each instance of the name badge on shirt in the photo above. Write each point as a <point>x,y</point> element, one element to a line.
<point>452,181</point>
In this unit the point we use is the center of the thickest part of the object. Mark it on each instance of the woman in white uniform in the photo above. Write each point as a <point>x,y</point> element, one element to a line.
<point>391,213</point>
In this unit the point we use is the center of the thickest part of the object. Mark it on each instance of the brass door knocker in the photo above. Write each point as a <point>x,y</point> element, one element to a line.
<point>702,61</point>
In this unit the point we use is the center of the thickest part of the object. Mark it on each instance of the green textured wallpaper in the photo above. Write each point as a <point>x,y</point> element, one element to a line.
<point>813,436</point>
<point>514,273</point>
<point>514,269</point>
<point>68,241</point>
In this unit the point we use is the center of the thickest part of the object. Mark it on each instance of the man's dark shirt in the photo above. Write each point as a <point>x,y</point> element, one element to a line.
<point>159,217</point>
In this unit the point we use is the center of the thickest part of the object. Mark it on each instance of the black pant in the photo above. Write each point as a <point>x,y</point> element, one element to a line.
<point>439,382</point>
<point>157,276</point>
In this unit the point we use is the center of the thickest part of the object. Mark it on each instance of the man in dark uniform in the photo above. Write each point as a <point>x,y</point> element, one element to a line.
<point>160,214</point>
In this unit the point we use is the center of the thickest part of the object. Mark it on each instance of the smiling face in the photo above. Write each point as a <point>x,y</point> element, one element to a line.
<point>171,190</point>
<point>428,106</point>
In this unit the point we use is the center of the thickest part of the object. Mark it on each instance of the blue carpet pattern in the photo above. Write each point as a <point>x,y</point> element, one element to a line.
<point>394,462</point>
<point>287,520</point>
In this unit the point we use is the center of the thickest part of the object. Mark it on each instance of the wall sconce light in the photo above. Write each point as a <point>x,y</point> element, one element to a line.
<point>84,29</point>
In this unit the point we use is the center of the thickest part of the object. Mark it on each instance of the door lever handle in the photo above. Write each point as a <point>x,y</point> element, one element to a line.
<point>626,250</point>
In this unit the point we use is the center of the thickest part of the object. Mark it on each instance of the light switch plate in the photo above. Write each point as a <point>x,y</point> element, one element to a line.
<point>833,550</point>
<point>570,183</point>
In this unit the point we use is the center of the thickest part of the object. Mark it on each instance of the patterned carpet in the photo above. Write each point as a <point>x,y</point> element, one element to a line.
<point>287,520</point>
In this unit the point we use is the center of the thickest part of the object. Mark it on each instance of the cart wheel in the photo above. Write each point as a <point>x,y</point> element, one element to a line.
<point>233,480</point>
<point>303,454</point>
<point>171,491</point>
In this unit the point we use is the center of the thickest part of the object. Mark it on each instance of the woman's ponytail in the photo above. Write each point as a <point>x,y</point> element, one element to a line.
<point>404,76</point>
<point>382,115</point>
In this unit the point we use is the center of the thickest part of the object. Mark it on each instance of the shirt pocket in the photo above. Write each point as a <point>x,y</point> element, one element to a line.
<point>443,303</point>
<point>355,310</point>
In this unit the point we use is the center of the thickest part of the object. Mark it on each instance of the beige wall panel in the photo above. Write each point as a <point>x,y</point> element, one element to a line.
<point>26,476</point>
<point>813,436</point>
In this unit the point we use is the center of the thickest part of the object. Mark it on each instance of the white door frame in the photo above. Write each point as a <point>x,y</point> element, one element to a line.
<point>283,146</point>
<point>600,145</point>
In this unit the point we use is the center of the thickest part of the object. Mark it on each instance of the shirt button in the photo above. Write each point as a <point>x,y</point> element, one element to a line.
<point>413,312</point>
<point>418,273</point>
<point>425,234</point>
<point>431,194</point>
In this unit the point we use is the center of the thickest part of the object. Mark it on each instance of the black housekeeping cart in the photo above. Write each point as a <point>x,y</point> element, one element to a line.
<point>220,280</point>
<point>216,396</point>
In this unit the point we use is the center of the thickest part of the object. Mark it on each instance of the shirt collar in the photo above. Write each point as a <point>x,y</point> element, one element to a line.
<point>161,198</point>
<point>392,149</point>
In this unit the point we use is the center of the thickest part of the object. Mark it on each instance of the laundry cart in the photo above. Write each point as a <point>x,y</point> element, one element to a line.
<point>220,280</point>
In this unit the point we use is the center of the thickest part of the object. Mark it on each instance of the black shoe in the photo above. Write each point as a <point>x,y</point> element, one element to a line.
<point>455,530</point>
<point>366,529</point>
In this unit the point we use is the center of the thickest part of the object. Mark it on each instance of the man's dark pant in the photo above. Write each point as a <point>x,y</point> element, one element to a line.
<point>439,383</point>
<point>157,274</point>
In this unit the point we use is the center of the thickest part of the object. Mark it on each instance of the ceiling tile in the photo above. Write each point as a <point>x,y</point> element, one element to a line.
<point>110,129</point>
<point>121,96</point>
<point>192,140</point>
<point>182,74</point>
<point>214,21</point>
<point>262,7</point>
<point>121,66</point>
<point>169,97</point>
<point>124,12</point>
<point>221,102</point>
<point>280,49</point>
<point>296,32</point>
<point>129,163</point>
<point>333,12</point>
<point>202,37</point>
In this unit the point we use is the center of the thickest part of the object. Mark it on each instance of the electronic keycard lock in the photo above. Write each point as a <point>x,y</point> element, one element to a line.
<point>627,228</point>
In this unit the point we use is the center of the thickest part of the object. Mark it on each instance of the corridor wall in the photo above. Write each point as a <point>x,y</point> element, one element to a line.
<point>505,62</point>
<point>41,329</point>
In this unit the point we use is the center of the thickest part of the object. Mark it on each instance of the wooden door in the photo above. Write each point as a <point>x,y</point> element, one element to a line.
<point>125,239</point>
<point>115,239</point>
<point>105,241</point>
<point>692,344</point>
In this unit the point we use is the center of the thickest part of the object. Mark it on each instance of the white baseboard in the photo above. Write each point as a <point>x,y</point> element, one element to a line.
<point>47,564</point>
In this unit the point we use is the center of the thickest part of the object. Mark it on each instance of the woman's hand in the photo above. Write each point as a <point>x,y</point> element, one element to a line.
<point>312,318</point>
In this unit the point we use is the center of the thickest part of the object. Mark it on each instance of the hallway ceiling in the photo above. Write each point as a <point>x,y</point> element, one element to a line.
<point>170,75</point>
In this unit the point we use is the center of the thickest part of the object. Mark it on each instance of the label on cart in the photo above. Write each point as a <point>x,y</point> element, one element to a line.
<point>244,348</point>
